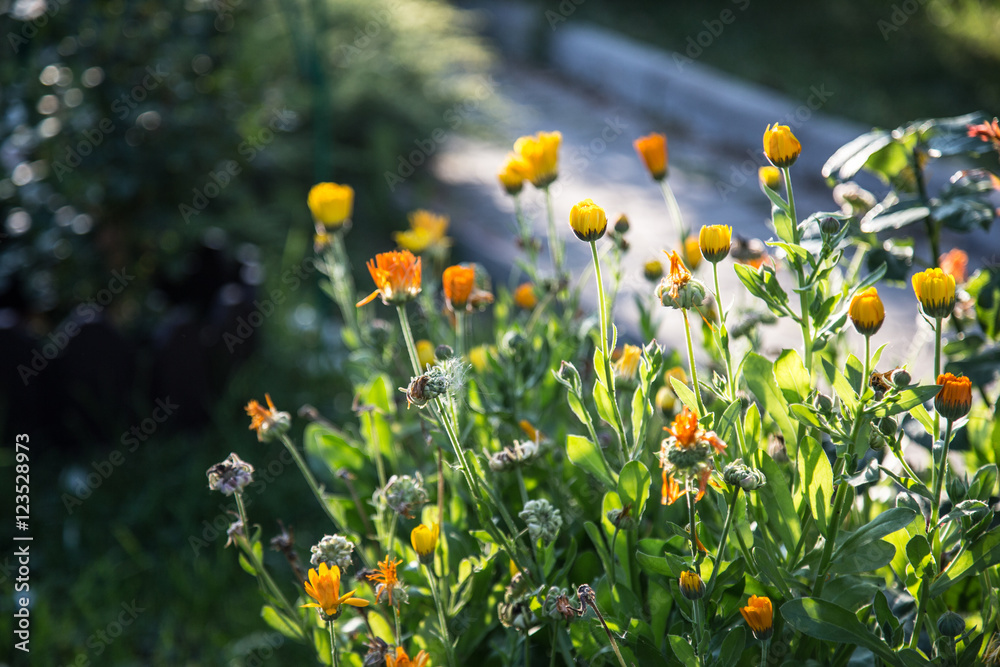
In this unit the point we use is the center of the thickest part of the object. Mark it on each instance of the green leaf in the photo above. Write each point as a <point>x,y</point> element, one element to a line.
<point>726,429</point>
<point>763,284</point>
<point>920,413</point>
<point>894,217</point>
<point>830,622</point>
<point>732,646</point>
<point>641,410</point>
<point>907,399</point>
<point>840,384</point>
<point>759,374</point>
<point>594,533</point>
<point>633,487</point>
<point>577,407</point>
<point>850,158</point>
<point>816,477</point>
<point>280,622</point>
<point>869,559</point>
<point>687,396</point>
<point>333,448</point>
<point>884,524</point>
<point>777,499</point>
<point>682,650</point>
<point>655,565</point>
<point>792,377</point>
<point>983,554</point>
<point>770,570</point>
<point>751,428</point>
<point>247,566</point>
<point>584,453</point>
<point>602,399</point>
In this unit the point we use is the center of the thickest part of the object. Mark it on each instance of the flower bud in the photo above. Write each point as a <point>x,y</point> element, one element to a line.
<point>715,241</point>
<point>543,520</point>
<point>621,224</point>
<point>888,426</point>
<point>954,400</point>
<point>829,226</point>
<point>692,585</point>
<point>876,440</point>
<point>331,204</point>
<point>665,400</point>
<point>780,146</point>
<point>901,378</point>
<point>935,291</point>
<point>653,270</point>
<point>404,494</point>
<point>824,402</point>
<point>867,312</point>
<point>443,352</point>
<point>332,550</point>
<point>769,176</point>
<point>588,220</point>
<point>569,374</point>
<point>958,489</point>
<point>621,518</point>
<point>951,624</point>
<point>689,295</point>
<point>743,476</point>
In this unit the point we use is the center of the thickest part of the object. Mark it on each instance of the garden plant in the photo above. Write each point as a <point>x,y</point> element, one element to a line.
<point>524,483</point>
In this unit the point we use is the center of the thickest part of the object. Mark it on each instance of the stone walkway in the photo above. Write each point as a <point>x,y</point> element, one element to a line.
<point>714,126</point>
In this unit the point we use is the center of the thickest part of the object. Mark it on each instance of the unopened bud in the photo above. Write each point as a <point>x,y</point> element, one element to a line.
<point>569,374</point>
<point>443,352</point>
<point>887,425</point>
<point>829,226</point>
<point>621,224</point>
<point>951,624</point>
<point>901,378</point>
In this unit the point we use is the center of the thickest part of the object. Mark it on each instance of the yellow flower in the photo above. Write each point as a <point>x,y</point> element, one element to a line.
<point>653,150</point>
<point>331,204</point>
<point>867,312</point>
<point>425,353</point>
<point>955,263</point>
<point>692,252</point>
<point>769,176</point>
<point>385,576</point>
<point>759,616</point>
<point>324,587</point>
<point>588,220</point>
<point>400,659</point>
<point>424,541</point>
<point>653,270</point>
<point>692,585</point>
<point>525,297</point>
<point>541,154</point>
<point>397,277</point>
<point>715,241</point>
<point>627,364</point>
<point>458,282</point>
<point>780,145</point>
<point>954,400</point>
<point>513,173</point>
<point>427,233</point>
<point>479,357</point>
<point>935,291</point>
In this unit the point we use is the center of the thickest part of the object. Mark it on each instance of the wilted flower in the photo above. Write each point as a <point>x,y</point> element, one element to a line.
<point>678,289</point>
<point>425,540</point>
<point>954,400</point>
<point>671,491</point>
<point>268,422</point>
<point>935,291</point>
<point>324,587</point>
<point>780,146</point>
<point>235,530</point>
<point>558,605</point>
<point>652,149</point>
<point>447,376</point>
<point>525,297</point>
<point>334,550</point>
<point>541,153</point>
<point>688,451</point>
<point>401,659</point>
<point>627,365</point>
<point>588,220</point>
<point>404,493</point>
<point>867,312</point>
<point>388,582</point>
<point>427,233</point>
<point>759,616</point>
<point>517,454</point>
<point>692,585</point>
<point>331,204</point>
<point>543,520</point>
<point>715,241</point>
<point>230,476</point>
<point>397,277</point>
<point>514,171</point>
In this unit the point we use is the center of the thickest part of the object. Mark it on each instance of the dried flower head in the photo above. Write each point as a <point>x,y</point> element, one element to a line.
<point>517,454</point>
<point>678,289</point>
<point>334,550</point>
<point>543,520</point>
<point>230,476</point>
<point>558,605</point>
<point>404,494</point>
<point>268,422</point>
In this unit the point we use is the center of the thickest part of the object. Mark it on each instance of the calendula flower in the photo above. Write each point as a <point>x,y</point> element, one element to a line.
<point>987,131</point>
<point>653,150</point>
<point>388,581</point>
<point>653,270</point>
<point>867,312</point>
<point>513,173</point>
<point>479,357</point>
<point>954,400</point>
<point>525,297</point>
<point>331,204</point>
<point>688,450</point>
<point>672,491</point>
<point>458,282</point>
<point>401,659</point>
<point>935,291</point>
<point>677,289</point>
<point>692,585</point>
<point>541,154</point>
<point>324,587</point>
<point>425,353</point>
<point>529,430</point>
<point>715,241</point>
<point>268,422</point>
<point>397,277</point>
<point>543,520</point>
<point>955,263</point>
<point>427,233</point>
<point>769,176</point>
<point>230,476</point>
<point>692,252</point>
<point>424,540</point>
<point>759,616</point>
<point>588,220</point>
<point>627,365</point>
<point>780,146</point>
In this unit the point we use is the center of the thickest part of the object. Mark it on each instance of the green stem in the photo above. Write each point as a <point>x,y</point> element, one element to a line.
<point>868,361</point>
<point>938,326</point>
<point>343,283</point>
<point>263,578</point>
<point>411,346</point>
<point>838,511</point>
<point>333,643</point>
<point>921,613</point>
<point>555,246</point>
<point>609,376</point>
<point>722,541</point>
<point>692,518</point>
<point>395,615</point>
<point>694,369</point>
<point>460,333</point>
<point>724,344</point>
<point>432,580</point>
<point>940,471</point>
<point>614,568</point>
<point>805,296</point>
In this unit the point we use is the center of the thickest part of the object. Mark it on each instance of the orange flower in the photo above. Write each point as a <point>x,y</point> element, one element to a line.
<point>386,578</point>
<point>513,173</point>
<point>671,490</point>
<point>268,421</point>
<point>422,659</point>
<point>396,275</point>
<point>954,400</point>
<point>759,616</point>
<point>529,430</point>
<point>458,282</point>
<point>524,296</point>
<point>956,264</point>
<point>324,587</point>
<point>685,428</point>
<point>986,131</point>
<point>678,275</point>
<point>653,150</point>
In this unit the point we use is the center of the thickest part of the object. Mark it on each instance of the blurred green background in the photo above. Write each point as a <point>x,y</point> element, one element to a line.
<point>176,142</point>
